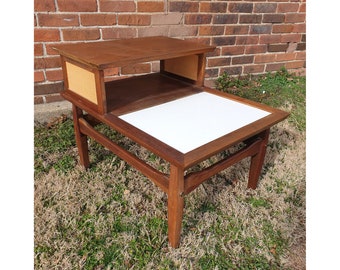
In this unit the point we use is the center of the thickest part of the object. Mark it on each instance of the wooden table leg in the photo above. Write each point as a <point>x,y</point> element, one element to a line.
<point>81,139</point>
<point>257,161</point>
<point>175,205</point>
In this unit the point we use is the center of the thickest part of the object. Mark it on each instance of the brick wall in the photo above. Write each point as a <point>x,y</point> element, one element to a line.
<point>252,37</point>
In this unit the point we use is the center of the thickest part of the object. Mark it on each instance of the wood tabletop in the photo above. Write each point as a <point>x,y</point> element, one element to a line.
<point>118,53</point>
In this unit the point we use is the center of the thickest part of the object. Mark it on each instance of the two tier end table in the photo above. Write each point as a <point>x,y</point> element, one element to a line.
<point>171,113</point>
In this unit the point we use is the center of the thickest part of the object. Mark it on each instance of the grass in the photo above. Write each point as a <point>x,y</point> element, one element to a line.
<point>280,89</point>
<point>112,217</point>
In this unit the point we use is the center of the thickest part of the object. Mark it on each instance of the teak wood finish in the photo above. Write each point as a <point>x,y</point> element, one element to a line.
<point>182,66</point>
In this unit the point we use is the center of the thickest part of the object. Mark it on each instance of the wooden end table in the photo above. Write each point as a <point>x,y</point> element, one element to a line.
<point>170,113</point>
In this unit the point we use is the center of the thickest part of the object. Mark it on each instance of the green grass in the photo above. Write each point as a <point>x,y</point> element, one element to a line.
<point>53,148</point>
<point>112,217</point>
<point>280,89</point>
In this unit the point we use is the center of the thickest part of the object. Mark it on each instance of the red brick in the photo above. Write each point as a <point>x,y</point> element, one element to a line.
<point>302,7</point>
<point>299,28</point>
<point>39,76</point>
<point>46,89</point>
<point>260,29</point>
<point>255,49</point>
<point>295,17</point>
<point>98,19</point>
<point>184,6</point>
<point>280,57</point>
<point>38,49</point>
<point>264,58</point>
<point>266,39</point>
<point>236,29</point>
<point>240,7</point>
<point>250,18</point>
<point>242,60</point>
<point>44,5</point>
<point>117,32</point>
<point>301,46</point>
<point>206,41</point>
<point>137,69</point>
<point>199,40</point>
<point>287,7</point>
<point>39,63</point>
<point>182,31</point>
<point>273,18</point>
<point>280,47</point>
<point>301,55</point>
<point>159,30</point>
<point>295,64</point>
<point>150,6</point>
<point>211,72</point>
<point>81,34</point>
<point>47,62</point>
<point>236,70</point>
<point>232,50</point>
<point>291,38</point>
<point>213,7</point>
<point>166,19</point>
<point>250,69</point>
<point>54,75</point>
<point>223,41</point>
<point>211,30</point>
<point>77,6</point>
<point>216,52</point>
<point>134,19</point>
<point>49,50</point>
<point>265,7</point>
<point>197,19</point>
<point>225,19</point>
<point>58,20</point>
<point>117,6</point>
<point>46,35</point>
<point>283,28</point>
<point>247,40</point>
<point>219,62</point>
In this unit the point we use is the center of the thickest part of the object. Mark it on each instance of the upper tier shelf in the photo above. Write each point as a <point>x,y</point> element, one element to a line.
<point>118,53</point>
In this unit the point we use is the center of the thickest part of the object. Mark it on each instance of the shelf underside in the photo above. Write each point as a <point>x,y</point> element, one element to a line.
<point>140,92</point>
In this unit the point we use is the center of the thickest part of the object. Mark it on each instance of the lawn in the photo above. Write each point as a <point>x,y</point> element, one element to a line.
<point>112,217</point>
